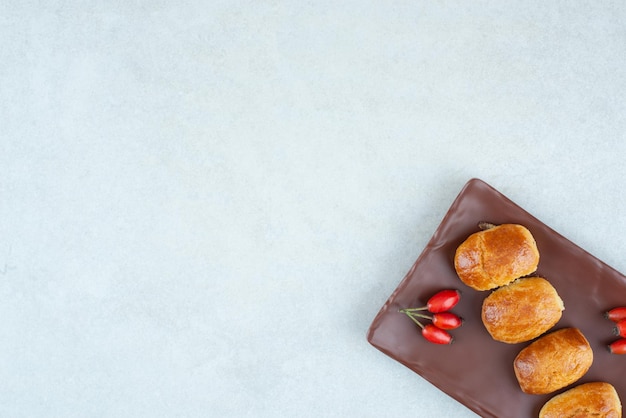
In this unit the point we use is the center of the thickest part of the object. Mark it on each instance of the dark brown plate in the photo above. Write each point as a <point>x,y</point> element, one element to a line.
<point>476,370</point>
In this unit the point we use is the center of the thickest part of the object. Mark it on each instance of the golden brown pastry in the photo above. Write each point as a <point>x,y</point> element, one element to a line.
<point>496,256</point>
<point>553,361</point>
<point>522,310</point>
<point>596,399</point>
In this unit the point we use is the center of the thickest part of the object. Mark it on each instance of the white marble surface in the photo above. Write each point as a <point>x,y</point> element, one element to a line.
<point>203,204</point>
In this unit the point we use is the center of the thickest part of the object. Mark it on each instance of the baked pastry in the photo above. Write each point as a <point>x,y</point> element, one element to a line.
<point>496,256</point>
<point>596,399</point>
<point>522,310</point>
<point>553,361</point>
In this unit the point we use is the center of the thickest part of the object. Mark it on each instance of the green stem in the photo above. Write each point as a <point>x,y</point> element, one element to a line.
<point>413,319</point>
<point>421,315</point>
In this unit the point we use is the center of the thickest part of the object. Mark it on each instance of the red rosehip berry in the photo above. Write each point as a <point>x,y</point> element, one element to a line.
<point>447,320</point>
<point>620,328</point>
<point>616,314</point>
<point>443,300</point>
<point>436,335</point>
<point>618,347</point>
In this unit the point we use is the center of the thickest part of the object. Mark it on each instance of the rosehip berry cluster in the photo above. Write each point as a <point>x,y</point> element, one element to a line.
<point>441,320</point>
<point>618,315</point>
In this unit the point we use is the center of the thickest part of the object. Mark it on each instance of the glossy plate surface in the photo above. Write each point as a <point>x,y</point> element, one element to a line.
<point>476,370</point>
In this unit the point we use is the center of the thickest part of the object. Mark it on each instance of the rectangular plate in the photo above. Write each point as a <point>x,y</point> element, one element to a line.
<point>477,370</point>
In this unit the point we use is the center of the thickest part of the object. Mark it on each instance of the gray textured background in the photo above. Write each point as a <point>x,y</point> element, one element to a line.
<point>204,204</point>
